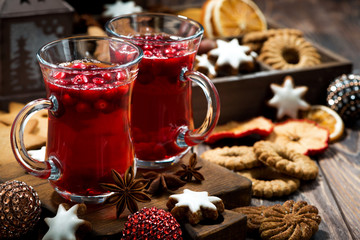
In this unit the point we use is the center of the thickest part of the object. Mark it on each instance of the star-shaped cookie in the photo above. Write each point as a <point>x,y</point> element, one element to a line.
<point>287,98</point>
<point>120,7</point>
<point>231,53</point>
<point>194,206</point>
<point>64,225</point>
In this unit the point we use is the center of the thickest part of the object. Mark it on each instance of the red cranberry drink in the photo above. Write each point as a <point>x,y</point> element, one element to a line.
<point>161,96</point>
<point>161,110</point>
<point>89,121</point>
<point>91,133</point>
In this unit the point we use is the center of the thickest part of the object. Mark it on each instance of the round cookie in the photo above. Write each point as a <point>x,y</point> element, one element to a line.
<point>233,158</point>
<point>269,183</point>
<point>292,220</point>
<point>286,161</point>
<point>288,51</point>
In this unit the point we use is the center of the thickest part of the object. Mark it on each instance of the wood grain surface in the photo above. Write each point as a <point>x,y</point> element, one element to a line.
<point>234,190</point>
<point>335,25</point>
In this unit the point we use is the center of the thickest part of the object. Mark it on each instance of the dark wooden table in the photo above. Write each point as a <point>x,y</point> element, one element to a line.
<point>335,25</point>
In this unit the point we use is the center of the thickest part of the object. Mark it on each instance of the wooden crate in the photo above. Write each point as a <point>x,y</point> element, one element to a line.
<point>246,96</point>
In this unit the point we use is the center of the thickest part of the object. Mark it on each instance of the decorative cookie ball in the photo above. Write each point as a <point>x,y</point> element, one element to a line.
<point>152,223</point>
<point>19,209</point>
<point>343,96</point>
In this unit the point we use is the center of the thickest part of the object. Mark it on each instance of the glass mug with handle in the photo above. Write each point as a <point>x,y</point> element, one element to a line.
<point>88,101</point>
<point>161,115</point>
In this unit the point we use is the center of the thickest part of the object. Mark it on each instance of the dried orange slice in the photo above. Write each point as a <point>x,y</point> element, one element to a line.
<point>206,18</point>
<point>235,17</point>
<point>302,136</point>
<point>259,125</point>
<point>192,13</point>
<point>327,118</point>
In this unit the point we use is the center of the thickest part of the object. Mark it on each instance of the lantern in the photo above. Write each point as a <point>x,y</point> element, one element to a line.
<point>25,26</point>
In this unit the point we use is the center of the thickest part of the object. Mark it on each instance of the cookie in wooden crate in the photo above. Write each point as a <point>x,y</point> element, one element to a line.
<point>287,51</point>
<point>231,58</point>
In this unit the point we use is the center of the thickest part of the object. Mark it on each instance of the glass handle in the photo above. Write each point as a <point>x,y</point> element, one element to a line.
<point>186,137</point>
<point>48,169</point>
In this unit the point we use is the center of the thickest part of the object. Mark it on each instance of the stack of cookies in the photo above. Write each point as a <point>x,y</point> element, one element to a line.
<point>278,164</point>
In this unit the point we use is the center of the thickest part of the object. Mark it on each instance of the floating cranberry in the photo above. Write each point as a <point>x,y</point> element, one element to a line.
<point>158,53</point>
<point>148,53</point>
<point>83,107</point>
<point>170,52</point>
<point>79,65</point>
<point>88,86</point>
<point>80,79</point>
<point>148,47</point>
<point>98,80</point>
<point>101,105</point>
<point>152,223</point>
<point>158,37</point>
<point>59,75</point>
<point>181,53</point>
<point>121,76</point>
<point>106,76</point>
<point>181,46</point>
<point>62,82</point>
<point>68,100</point>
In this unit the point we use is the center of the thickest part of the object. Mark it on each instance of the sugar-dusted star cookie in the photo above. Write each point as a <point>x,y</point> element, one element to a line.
<point>232,55</point>
<point>194,206</point>
<point>65,224</point>
<point>287,98</point>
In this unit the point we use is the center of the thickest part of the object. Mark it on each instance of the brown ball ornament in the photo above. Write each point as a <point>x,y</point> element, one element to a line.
<point>20,209</point>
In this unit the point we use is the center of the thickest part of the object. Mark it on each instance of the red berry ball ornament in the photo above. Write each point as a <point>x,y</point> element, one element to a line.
<point>19,209</point>
<point>152,223</point>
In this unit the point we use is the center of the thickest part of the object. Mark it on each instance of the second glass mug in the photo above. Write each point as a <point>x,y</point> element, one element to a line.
<point>88,101</point>
<point>161,111</point>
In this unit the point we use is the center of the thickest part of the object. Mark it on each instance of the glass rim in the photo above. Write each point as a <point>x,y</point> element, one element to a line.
<point>93,38</point>
<point>198,33</point>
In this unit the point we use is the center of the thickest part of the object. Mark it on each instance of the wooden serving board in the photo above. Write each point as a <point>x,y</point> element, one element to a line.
<point>233,189</point>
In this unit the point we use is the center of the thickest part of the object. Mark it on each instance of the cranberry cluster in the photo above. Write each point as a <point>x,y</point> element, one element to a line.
<point>152,223</point>
<point>161,46</point>
<point>88,88</point>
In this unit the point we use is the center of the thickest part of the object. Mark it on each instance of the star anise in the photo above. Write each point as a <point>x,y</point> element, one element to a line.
<point>190,171</point>
<point>163,181</point>
<point>127,191</point>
